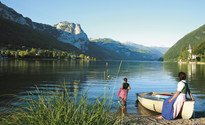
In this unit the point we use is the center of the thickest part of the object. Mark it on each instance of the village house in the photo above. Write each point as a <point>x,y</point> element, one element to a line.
<point>191,56</point>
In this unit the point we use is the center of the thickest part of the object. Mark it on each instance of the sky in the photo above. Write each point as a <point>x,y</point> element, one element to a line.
<point>148,22</point>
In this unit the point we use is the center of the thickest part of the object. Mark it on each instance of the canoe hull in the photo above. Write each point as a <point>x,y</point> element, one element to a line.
<point>188,109</point>
<point>156,105</point>
<point>152,105</point>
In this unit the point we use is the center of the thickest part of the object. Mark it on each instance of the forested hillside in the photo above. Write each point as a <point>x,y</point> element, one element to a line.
<point>193,38</point>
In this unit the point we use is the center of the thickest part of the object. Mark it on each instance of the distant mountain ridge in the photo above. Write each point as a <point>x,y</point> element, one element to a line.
<point>128,50</point>
<point>193,38</point>
<point>157,50</point>
<point>75,35</point>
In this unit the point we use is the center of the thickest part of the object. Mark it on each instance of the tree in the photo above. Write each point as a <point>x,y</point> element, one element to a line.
<point>26,53</point>
<point>73,56</point>
<point>21,54</point>
<point>48,53</point>
<point>7,53</point>
<point>16,54</point>
<point>68,55</point>
<point>32,52</point>
<point>81,56</point>
<point>12,53</point>
<point>204,52</point>
<point>63,54</point>
<point>184,54</point>
<point>54,54</point>
<point>200,57</point>
<point>199,49</point>
<point>40,53</point>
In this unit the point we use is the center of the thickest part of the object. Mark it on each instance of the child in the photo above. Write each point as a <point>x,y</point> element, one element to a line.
<point>123,92</point>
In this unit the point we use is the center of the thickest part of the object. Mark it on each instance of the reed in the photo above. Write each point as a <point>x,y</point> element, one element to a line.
<point>58,108</point>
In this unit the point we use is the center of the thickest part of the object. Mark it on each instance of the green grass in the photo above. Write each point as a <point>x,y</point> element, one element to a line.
<point>58,108</point>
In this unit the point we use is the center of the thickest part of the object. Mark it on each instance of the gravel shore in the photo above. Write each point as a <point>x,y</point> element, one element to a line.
<point>131,119</point>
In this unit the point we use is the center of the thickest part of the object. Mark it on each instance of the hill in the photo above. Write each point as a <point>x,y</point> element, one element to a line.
<point>15,35</point>
<point>193,38</point>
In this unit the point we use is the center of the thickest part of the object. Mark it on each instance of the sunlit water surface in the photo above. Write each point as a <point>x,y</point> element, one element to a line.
<point>19,77</point>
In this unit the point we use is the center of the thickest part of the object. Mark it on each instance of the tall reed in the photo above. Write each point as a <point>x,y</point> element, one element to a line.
<point>58,108</point>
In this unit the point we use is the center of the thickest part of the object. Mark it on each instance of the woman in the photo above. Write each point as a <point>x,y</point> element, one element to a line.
<point>173,105</point>
<point>124,92</point>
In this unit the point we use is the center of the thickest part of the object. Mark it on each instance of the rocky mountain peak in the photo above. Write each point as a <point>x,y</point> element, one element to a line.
<point>69,27</point>
<point>64,31</point>
<point>72,32</point>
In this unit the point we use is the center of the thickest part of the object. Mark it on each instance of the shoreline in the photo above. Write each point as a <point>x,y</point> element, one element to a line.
<point>131,119</point>
<point>200,63</point>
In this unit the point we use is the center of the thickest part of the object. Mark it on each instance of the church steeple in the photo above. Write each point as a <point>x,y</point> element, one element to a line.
<point>189,49</point>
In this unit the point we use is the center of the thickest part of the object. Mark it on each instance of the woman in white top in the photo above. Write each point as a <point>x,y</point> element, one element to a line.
<point>173,105</point>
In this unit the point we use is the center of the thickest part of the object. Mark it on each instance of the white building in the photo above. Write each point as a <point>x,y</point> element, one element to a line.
<point>191,56</point>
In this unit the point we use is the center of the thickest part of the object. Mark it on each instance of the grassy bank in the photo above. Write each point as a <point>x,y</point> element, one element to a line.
<point>59,108</point>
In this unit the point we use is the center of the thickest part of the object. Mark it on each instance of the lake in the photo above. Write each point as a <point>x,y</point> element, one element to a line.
<point>20,76</point>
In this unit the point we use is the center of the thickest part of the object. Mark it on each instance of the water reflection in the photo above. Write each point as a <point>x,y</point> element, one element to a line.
<point>195,77</point>
<point>122,110</point>
<point>34,65</point>
<point>19,76</point>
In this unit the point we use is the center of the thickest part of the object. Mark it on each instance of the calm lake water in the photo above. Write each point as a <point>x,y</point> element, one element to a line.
<point>18,77</point>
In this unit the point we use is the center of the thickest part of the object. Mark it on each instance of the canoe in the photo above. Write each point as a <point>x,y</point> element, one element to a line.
<point>154,102</point>
<point>141,110</point>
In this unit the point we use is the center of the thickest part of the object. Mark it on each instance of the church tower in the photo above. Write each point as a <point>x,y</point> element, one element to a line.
<point>189,49</point>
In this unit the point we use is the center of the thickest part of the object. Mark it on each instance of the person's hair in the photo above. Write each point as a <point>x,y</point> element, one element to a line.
<point>182,76</point>
<point>125,79</point>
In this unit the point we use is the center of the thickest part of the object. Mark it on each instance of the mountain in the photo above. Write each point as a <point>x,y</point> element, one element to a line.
<point>102,53</point>
<point>158,51</point>
<point>72,33</point>
<point>14,35</point>
<point>162,50</point>
<point>63,31</point>
<point>128,50</point>
<point>193,38</point>
<point>22,31</point>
